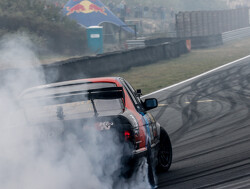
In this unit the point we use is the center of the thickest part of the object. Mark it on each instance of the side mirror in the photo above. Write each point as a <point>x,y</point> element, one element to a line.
<point>150,103</point>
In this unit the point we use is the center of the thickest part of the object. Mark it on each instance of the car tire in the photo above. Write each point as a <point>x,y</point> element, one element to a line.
<point>165,152</point>
<point>151,173</point>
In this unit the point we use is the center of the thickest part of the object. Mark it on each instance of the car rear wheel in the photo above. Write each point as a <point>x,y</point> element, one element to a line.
<point>151,173</point>
<point>165,151</point>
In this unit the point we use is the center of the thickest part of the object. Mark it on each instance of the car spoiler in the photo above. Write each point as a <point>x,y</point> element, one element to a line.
<point>76,96</point>
<point>81,95</point>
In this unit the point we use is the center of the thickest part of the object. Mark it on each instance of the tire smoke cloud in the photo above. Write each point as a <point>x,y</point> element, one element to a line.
<point>37,156</point>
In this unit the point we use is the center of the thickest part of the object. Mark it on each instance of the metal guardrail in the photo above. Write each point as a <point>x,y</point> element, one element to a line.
<point>131,44</point>
<point>235,34</point>
<point>226,37</point>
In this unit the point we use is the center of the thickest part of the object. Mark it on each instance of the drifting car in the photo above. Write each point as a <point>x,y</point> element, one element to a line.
<point>108,103</point>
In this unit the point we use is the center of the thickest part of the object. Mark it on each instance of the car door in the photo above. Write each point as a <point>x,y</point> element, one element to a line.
<point>149,121</point>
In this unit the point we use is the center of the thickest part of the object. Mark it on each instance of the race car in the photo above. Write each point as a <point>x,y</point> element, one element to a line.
<point>109,104</point>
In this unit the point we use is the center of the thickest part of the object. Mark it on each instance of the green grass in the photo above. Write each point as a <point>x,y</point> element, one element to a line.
<point>164,73</point>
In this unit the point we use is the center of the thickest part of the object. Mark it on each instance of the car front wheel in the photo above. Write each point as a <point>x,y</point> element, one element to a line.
<point>165,151</point>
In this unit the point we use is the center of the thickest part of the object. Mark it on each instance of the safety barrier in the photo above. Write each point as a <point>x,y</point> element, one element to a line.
<point>235,34</point>
<point>100,65</point>
<point>108,63</point>
<point>131,44</point>
<point>206,41</point>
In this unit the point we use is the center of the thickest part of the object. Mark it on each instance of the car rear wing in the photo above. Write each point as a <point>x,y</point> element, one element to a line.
<point>62,98</point>
<point>81,95</point>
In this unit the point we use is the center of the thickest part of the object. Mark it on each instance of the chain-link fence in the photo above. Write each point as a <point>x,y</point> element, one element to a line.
<point>205,23</point>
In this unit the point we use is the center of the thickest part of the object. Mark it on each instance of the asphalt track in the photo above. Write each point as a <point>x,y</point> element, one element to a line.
<point>208,119</point>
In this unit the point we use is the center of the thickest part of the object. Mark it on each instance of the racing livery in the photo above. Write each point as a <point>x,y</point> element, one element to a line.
<point>108,104</point>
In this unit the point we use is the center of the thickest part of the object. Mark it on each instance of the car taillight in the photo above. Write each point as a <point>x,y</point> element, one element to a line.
<point>127,135</point>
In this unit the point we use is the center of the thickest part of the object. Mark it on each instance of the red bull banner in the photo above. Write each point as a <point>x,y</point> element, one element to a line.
<point>91,13</point>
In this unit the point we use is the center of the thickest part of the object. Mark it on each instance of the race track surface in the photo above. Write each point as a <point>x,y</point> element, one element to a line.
<point>208,119</point>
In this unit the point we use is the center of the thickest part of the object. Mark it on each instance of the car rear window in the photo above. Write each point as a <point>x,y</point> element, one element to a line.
<point>41,110</point>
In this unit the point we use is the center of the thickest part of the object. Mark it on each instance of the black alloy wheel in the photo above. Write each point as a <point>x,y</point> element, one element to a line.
<point>165,151</point>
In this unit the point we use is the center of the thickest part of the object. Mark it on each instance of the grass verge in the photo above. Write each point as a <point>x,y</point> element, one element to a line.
<point>164,73</point>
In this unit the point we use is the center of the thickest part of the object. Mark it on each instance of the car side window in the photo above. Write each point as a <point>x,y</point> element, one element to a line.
<point>134,92</point>
<point>136,100</point>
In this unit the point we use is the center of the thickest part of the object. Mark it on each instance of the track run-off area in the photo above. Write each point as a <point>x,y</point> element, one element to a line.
<point>208,120</point>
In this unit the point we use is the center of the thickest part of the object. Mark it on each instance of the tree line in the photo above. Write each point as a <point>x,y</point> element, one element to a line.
<point>44,21</point>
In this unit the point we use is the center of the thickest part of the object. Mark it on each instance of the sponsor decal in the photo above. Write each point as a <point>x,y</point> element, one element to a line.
<point>85,7</point>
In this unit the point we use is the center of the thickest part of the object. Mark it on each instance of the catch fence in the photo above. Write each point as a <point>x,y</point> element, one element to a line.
<point>207,23</point>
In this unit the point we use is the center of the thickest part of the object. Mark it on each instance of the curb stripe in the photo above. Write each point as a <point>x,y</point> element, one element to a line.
<point>193,78</point>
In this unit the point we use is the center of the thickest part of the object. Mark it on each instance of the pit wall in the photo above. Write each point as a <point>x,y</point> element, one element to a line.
<point>95,66</point>
<point>196,42</point>
<point>109,63</point>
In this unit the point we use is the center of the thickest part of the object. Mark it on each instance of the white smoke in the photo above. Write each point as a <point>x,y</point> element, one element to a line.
<point>17,51</point>
<point>31,158</point>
